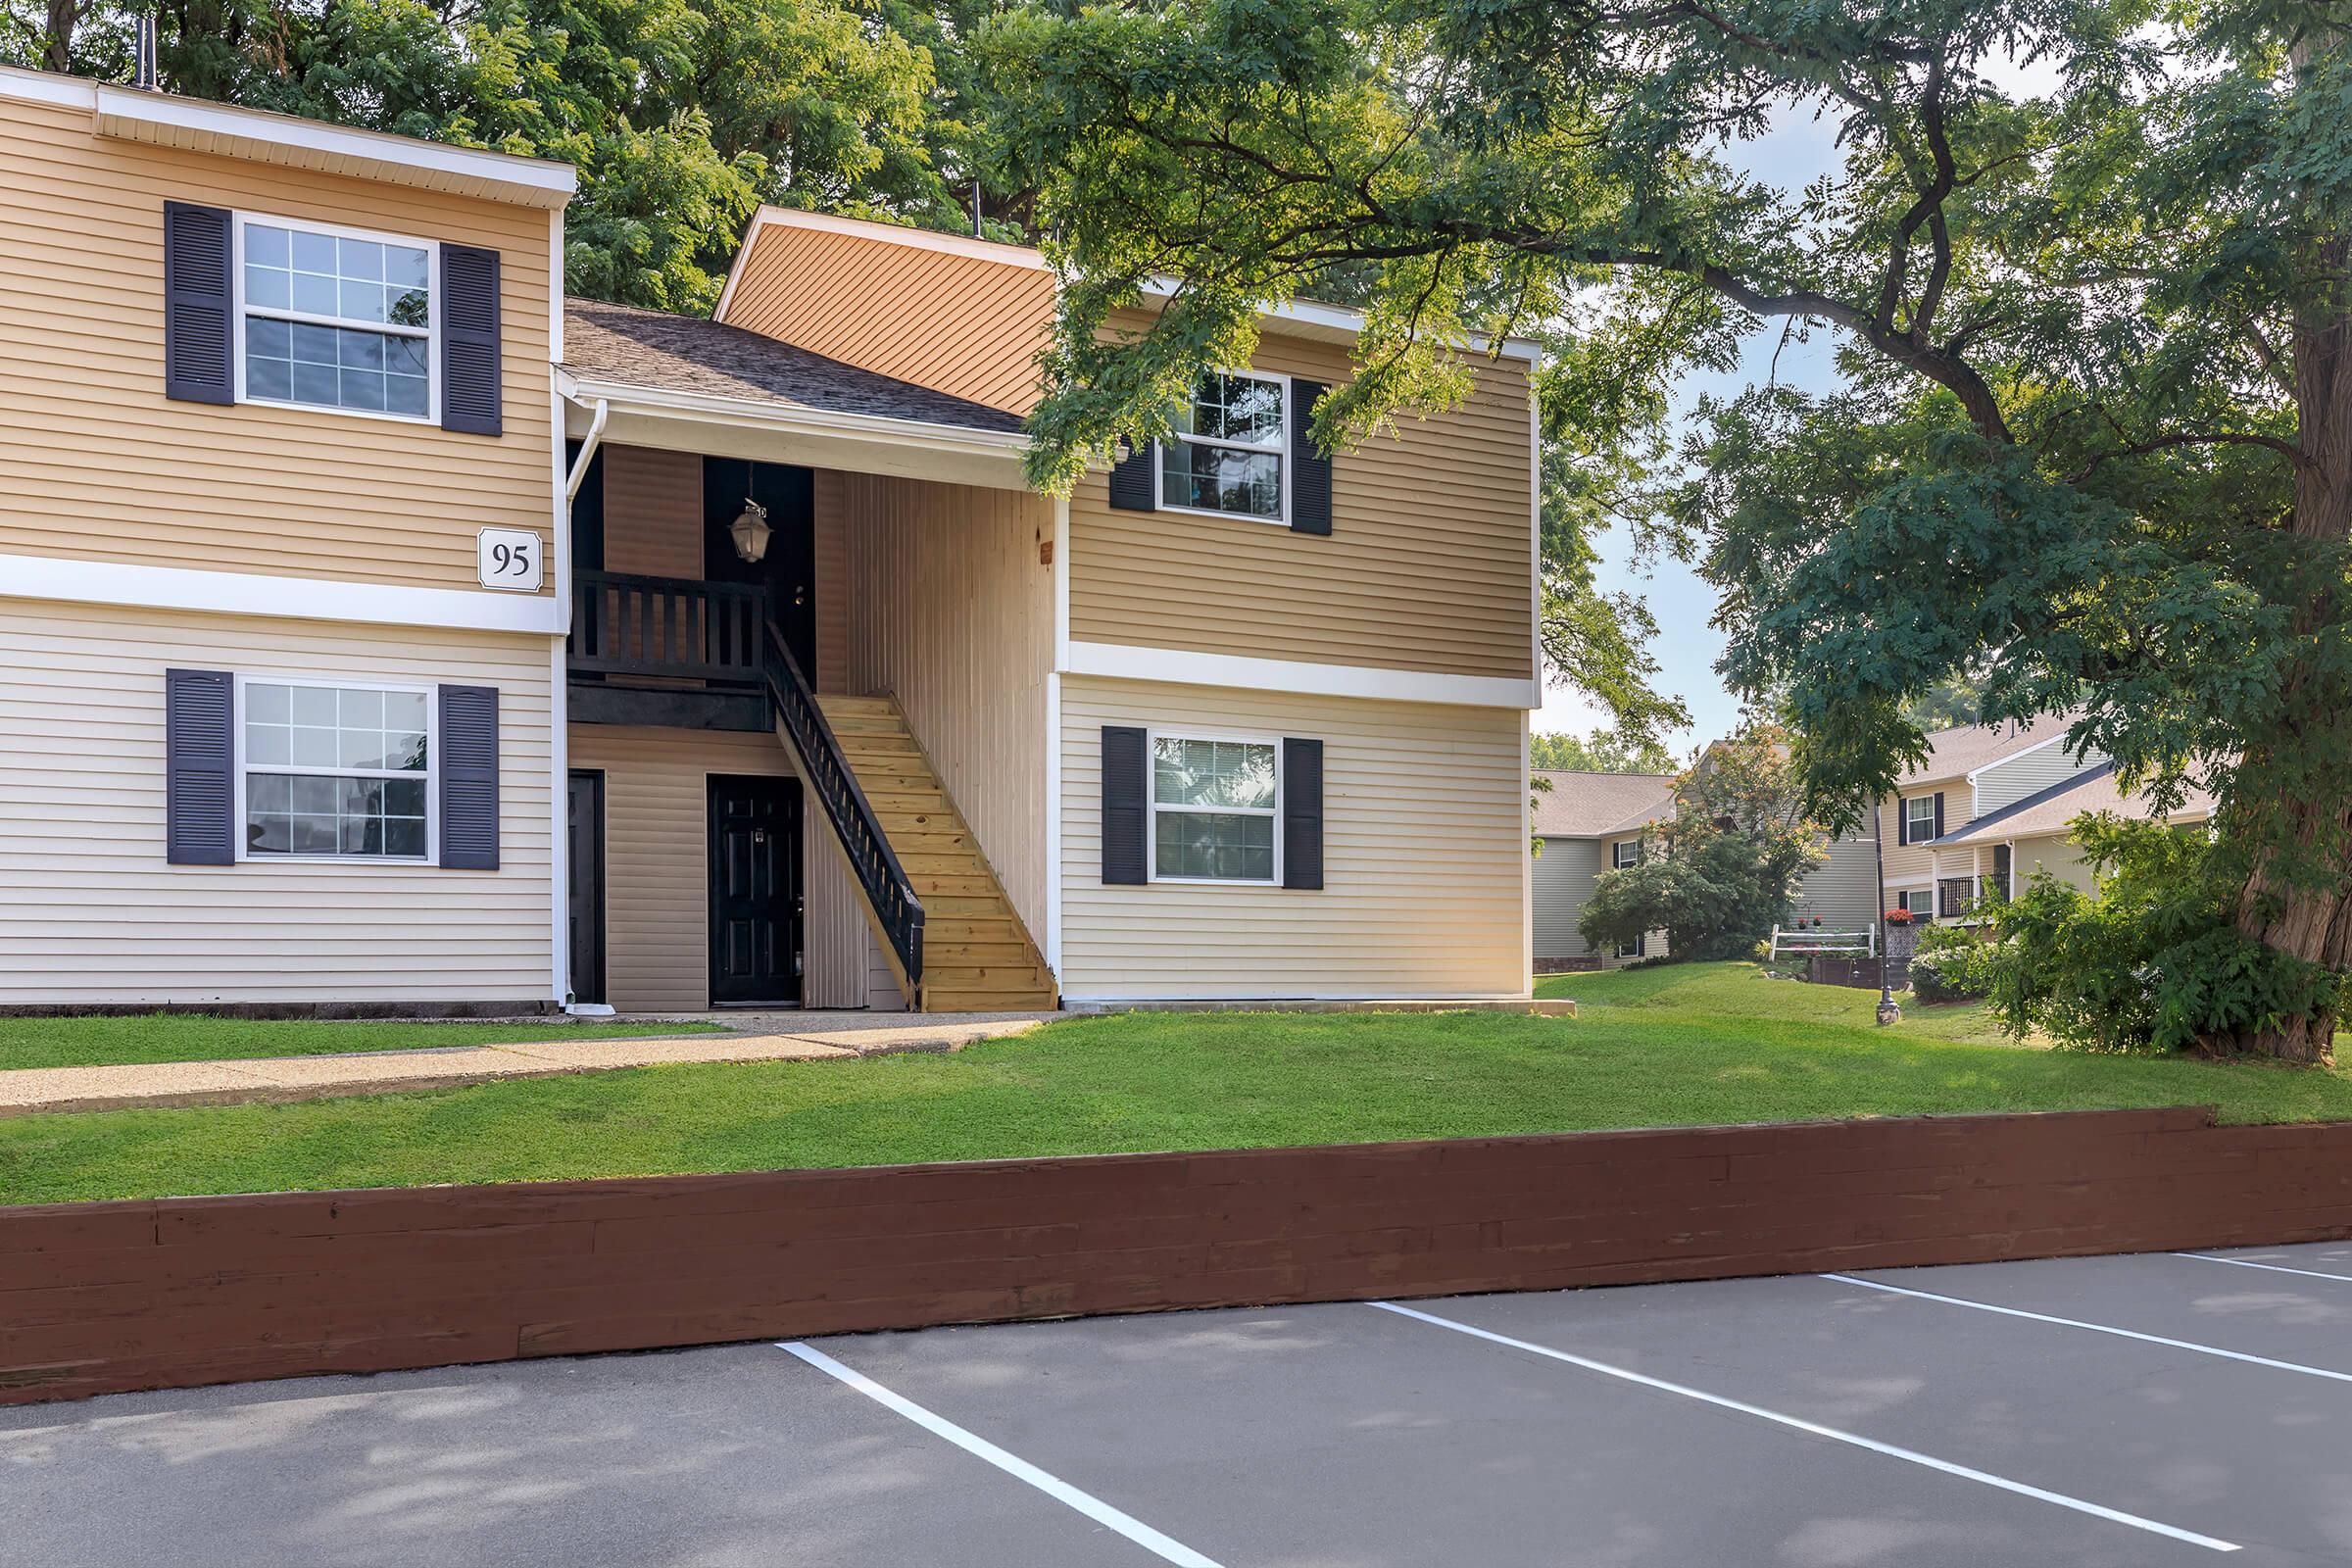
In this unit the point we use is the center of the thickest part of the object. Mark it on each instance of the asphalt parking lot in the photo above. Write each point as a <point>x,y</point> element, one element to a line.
<point>2145,1410</point>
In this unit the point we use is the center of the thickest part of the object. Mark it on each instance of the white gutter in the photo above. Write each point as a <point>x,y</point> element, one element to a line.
<point>588,445</point>
<point>767,415</point>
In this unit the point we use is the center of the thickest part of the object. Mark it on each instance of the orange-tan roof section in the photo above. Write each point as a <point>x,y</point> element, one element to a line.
<point>961,317</point>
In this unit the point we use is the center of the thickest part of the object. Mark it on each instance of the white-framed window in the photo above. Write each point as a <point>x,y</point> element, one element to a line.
<point>330,769</point>
<point>1625,855</point>
<point>1216,808</point>
<point>1639,947</point>
<point>1230,457</point>
<point>1919,814</point>
<point>332,317</point>
<point>1918,900</point>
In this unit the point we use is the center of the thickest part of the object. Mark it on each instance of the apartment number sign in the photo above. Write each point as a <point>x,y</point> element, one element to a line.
<point>509,558</point>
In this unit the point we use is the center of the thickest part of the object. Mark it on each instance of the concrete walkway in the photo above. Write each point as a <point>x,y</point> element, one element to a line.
<point>811,1037</point>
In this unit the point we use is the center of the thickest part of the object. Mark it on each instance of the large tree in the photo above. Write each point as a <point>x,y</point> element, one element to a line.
<point>682,115</point>
<point>2092,431</point>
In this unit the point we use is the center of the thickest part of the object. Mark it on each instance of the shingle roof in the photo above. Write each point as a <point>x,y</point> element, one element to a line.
<point>1585,805</point>
<point>1957,753</point>
<point>655,350</point>
<point>2049,812</point>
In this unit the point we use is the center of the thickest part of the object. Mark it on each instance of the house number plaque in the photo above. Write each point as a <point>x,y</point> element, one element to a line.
<point>509,558</point>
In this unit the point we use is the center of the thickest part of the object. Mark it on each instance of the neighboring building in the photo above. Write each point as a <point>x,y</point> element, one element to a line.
<point>807,699</point>
<point>1991,806</point>
<point>1592,822</point>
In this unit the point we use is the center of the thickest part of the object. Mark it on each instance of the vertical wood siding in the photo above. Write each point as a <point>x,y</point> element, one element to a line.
<point>652,511</point>
<point>952,614</point>
<point>96,464</point>
<point>1424,849</point>
<point>832,606</point>
<point>91,913</point>
<point>957,323</point>
<point>1427,565</point>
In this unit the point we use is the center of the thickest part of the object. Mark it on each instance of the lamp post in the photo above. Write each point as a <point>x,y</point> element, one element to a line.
<point>1889,1012</point>
<point>750,532</point>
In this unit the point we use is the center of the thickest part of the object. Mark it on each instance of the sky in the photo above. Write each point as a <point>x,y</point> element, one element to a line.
<point>1798,149</point>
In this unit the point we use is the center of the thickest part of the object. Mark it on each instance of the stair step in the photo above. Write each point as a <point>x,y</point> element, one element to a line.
<point>951,901</point>
<point>842,703</point>
<point>848,727</point>
<point>981,956</point>
<point>909,846</point>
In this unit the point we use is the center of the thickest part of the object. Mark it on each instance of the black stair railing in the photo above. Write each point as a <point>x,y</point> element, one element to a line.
<point>853,822</point>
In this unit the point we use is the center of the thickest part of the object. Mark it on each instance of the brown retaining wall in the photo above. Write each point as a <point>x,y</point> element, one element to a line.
<point>96,1297</point>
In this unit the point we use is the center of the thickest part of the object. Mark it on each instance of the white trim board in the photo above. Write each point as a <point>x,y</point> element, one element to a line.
<point>1184,667</point>
<point>166,118</point>
<point>240,593</point>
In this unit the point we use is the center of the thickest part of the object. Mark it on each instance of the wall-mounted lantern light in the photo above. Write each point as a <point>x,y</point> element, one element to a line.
<point>750,532</point>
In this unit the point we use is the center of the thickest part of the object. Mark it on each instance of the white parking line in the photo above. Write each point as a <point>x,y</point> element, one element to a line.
<point>2098,1328</point>
<point>1815,1428</point>
<point>2276,1268</point>
<point>1012,1464</point>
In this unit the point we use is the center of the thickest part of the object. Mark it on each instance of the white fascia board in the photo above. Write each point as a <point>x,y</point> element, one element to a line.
<point>131,585</point>
<point>1184,667</point>
<point>623,399</point>
<point>537,181</point>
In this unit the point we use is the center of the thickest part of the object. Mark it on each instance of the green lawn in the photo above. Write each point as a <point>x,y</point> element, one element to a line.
<point>1683,1044</point>
<point>201,1037</point>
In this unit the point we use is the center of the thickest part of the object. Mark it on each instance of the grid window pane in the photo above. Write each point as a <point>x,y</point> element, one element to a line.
<point>1191,772</point>
<point>1235,408</point>
<point>1223,845</point>
<point>1246,484</point>
<point>365,282</point>
<point>336,743</point>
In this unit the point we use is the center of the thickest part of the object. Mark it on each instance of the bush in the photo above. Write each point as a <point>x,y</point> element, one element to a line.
<point>2154,961</point>
<point>1952,964</point>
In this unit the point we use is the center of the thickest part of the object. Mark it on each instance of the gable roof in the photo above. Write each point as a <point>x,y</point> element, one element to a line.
<point>1591,806</point>
<point>2049,811</point>
<point>1962,751</point>
<point>662,352</point>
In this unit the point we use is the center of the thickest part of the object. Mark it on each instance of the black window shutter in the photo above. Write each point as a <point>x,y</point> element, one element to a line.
<point>1131,478</point>
<point>1301,814</point>
<point>196,304</point>
<point>470,778</point>
<point>1939,833</point>
<point>469,367</point>
<point>1310,465</point>
<point>1126,784</point>
<point>199,796</point>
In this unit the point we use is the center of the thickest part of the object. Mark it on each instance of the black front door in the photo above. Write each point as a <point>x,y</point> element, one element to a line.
<point>755,892</point>
<point>586,837</point>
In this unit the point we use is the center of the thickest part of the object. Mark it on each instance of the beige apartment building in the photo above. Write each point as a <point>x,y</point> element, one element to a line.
<point>384,630</point>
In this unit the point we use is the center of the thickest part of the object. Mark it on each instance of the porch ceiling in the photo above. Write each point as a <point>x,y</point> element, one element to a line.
<point>639,417</point>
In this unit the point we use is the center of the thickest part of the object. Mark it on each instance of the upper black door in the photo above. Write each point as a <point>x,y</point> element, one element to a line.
<point>788,569</point>
<point>755,890</point>
<point>587,886</point>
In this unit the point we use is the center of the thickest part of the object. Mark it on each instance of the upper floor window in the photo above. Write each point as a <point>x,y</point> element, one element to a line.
<point>1213,805</point>
<point>1625,853</point>
<point>328,769</point>
<point>1919,816</point>
<point>1231,451</point>
<point>333,318</point>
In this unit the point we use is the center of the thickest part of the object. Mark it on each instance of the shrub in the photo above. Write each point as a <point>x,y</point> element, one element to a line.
<point>1952,964</point>
<point>2154,961</point>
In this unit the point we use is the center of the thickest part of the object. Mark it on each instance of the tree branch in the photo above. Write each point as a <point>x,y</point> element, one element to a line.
<point>2196,438</point>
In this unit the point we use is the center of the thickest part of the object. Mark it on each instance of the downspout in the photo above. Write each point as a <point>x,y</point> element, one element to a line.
<point>1889,1012</point>
<point>588,445</point>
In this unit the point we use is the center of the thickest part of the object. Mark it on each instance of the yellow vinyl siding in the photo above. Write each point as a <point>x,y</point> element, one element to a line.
<point>1424,862</point>
<point>91,913</point>
<point>950,610</point>
<point>96,463</point>
<point>1427,565</point>
<point>959,323</point>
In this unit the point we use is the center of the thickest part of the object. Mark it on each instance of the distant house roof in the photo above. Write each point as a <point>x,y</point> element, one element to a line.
<point>1958,752</point>
<point>662,352</point>
<point>2050,810</point>
<point>1591,806</point>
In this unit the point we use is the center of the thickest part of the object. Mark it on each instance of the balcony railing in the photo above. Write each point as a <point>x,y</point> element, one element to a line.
<point>677,627</point>
<point>1968,898</point>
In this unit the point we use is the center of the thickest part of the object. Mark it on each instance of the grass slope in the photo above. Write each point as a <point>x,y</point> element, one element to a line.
<point>1697,1044</point>
<point>202,1036</point>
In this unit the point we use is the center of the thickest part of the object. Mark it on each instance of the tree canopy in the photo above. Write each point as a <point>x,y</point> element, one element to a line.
<point>1601,751</point>
<point>2092,431</point>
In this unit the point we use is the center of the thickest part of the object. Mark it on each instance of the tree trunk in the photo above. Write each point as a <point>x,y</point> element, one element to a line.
<point>2312,924</point>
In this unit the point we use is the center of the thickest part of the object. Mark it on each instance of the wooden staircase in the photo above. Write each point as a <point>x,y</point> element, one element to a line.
<point>977,955</point>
